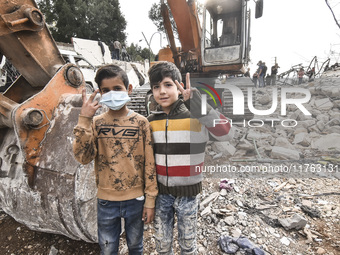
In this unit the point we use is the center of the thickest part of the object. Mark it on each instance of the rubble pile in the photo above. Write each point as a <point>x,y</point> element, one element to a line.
<point>275,137</point>
<point>273,215</point>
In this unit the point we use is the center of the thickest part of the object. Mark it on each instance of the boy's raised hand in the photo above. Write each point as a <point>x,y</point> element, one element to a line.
<point>89,107</point>
<point>186,93</point>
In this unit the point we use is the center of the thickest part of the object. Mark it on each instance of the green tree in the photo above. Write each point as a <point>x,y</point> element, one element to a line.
<point>138,54</point>
<point>99,20</point>
<point>156,17</point>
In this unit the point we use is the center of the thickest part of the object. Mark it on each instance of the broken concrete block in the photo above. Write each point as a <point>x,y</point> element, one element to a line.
<point>335,92</point>
<point>240,153</point>
<point>283,142</point>
<point>265,99</point>
<point>206,211</point>
<point>327,142</point>
<point>245,145</point>
<point>257,136</point>
<point>230,220</point>
<point>302,139</point>
<point>295,222</point>
<point>209,199</point>
<point>324,104</point>
<point>332,129</point>
<point>300,130</point>
<point>225,147</point>
<point>283,153</point>
<point>320,125</point>
<point>326,90</point>
<point>306,123</point>
<point>323,117</point>
<point>335,116</point>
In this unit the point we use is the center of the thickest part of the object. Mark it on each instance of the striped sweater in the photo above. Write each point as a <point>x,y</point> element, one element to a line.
<point>180,138</point>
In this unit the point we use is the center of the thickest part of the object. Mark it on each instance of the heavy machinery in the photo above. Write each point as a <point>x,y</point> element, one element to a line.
<point>214,52</point>
<point>41,184</point>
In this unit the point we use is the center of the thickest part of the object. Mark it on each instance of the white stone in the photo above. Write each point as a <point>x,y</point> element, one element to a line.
<point>283,153</point>
<point>236,232</point>
<point>209,199</point>
<point>294,222</point>
<point>285,241</point>
<point>206,211</point>
<point>283,142</point>
<point>302,138</point>
<point>257,136</point>
<point>230,220</point>
<point>225,147</point>
<point>324,104</point>
<point>327,142</point>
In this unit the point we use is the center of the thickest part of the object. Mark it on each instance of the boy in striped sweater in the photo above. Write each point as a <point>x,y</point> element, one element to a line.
<point>180,134</point>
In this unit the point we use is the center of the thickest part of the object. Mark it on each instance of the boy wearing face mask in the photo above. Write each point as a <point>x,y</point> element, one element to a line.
<point>119,141</point>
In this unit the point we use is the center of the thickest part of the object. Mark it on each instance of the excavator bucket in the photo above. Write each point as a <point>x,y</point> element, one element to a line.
<point>41,184</point>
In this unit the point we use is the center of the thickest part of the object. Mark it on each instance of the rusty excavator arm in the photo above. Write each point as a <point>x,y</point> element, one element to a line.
<point>41,184</point>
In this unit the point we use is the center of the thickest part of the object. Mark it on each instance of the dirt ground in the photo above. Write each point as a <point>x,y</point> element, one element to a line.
<point>17,239</point>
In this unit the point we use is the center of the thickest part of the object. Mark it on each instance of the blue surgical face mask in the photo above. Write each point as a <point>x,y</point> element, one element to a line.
<point>115,100</point>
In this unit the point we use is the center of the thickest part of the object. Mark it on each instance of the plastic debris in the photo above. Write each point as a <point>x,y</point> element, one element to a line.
<point>226,184</point>
<point>231,245</point>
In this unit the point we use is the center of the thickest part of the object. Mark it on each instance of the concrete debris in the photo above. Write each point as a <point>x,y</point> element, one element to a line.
<point>258,203</point>
<point>283,153</point>
<point>285,241</point>
<point>324,104</point>
<point>225,148</point>
<point>53,251</point>
<point>327,142</point>
<point>209,199</point>
<point>295,136</point>
<point>295,222</point>
<point>302,139</point>
<point>312,212</point>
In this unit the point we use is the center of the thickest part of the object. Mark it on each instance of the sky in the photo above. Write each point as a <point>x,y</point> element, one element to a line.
<point>292,31</point>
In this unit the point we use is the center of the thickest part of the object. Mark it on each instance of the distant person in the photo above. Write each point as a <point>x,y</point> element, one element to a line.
<point>268,80</point>
<point>260,74</point>
<point>274,70</point>
<point>125,54</point>
<point>264,71</point>
<point>112,50</point>
<point>117,47</point>
<point>255,78</point>
<point>311,74</point>
<point>301,73</point>
<point>119,141</point>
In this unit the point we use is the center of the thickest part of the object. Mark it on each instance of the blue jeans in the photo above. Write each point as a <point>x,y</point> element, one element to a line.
<point>261,81</point>
<point>186,209</point>
<point>109,225</point>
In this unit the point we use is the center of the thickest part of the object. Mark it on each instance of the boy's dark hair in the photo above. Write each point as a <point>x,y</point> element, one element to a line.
<point>161,70</point>
<point>111,71</point>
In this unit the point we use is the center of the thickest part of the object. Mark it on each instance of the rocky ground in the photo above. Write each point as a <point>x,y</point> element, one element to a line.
<point>278,215</point>
<point>276,187</point>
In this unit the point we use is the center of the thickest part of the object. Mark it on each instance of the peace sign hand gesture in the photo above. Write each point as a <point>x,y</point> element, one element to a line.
<point>89,107</point>
<point>186,93</point>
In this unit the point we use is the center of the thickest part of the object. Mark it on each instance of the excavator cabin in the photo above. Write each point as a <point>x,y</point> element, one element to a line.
<point>220,43</point>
